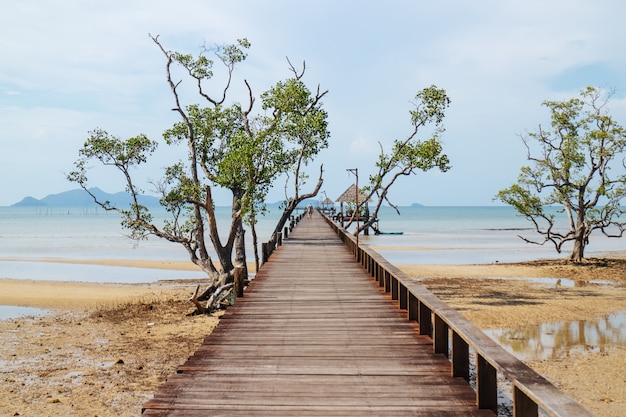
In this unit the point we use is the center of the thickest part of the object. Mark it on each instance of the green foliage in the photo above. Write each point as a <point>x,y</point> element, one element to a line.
<point>246,154</point>
<point>430,106</point>
<point>299,119</point>
<point>571,165</point>
<point>201,68</point>
<point>111,150</point>
<point>229,147</point>
<point>412,154</point>
<point>125,155</point>
<point>525,202</point>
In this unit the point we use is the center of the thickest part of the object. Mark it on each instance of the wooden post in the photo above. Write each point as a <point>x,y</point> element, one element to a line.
<point>394,287</point>
<point>440,336</point>
<point>460,357</point>
<point>403,296</point>
<point>286,232</point>
<point>425,319</point>
<point>486,385</point>
<point>387,281</point>
<point>238,272</point>
<point>522,405</point>
<point>412,307</point>
<point>264,253</point>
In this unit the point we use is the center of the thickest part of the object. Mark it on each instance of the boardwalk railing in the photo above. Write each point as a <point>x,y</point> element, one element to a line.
<point>453,335</point>
<point>267,248</point>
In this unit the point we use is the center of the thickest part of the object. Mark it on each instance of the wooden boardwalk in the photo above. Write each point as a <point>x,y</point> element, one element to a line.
<point>315,336</point>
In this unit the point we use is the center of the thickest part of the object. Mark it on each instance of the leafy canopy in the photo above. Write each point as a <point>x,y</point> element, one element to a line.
<point>578,164</point>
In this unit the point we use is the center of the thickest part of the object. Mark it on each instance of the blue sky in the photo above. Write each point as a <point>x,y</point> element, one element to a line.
<point>69,67</point>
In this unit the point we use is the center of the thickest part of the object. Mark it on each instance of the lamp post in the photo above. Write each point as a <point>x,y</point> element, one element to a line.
<point>355,171</point>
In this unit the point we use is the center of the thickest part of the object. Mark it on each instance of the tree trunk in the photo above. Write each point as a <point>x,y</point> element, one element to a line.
<point>255,246</point>
<point>240,250</point>
<point>580,240</point>
<point>286,214</point>
<point>293,203</point>
<point>578,252</point>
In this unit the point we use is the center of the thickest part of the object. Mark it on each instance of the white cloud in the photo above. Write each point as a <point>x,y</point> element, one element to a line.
<point>72,66</point>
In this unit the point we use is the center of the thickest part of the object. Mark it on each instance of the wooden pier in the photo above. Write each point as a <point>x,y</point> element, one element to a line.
<point>315,335</point>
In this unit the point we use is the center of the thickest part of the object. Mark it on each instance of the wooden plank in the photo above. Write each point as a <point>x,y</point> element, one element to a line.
<point>319,411</point>
<point>315,335</point>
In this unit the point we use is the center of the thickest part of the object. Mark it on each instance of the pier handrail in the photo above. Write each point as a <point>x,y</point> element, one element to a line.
<point>267,248</point>
<point>452,334</point>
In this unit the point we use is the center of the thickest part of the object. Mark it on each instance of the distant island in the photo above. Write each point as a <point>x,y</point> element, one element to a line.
<point>80,198</point>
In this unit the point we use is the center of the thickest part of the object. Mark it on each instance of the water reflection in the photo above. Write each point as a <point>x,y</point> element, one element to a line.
<point>561,282</point>
<point>554,282</point>
<point>560,340</point>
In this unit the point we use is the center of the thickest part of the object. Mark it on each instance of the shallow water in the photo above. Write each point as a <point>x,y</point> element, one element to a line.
<point>449,235</point>
<point>51,271</point>
<point>11,312</point>
<point>554,282</point>
<point>31,236</point>
<point>560,340</point>
<point>468,235</point>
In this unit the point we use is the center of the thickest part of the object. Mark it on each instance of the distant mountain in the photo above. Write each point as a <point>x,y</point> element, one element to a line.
<point>275,204</point>
<point>29,202</point>
<point>80,198</point>
<point>417,205</point>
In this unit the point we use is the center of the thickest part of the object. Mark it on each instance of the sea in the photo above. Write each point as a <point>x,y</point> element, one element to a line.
<point>34,239</point>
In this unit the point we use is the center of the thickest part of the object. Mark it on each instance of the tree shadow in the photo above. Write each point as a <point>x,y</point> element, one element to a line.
<point>498,298</point>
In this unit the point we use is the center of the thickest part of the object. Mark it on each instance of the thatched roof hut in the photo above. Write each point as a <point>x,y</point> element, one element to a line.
<point>349,196</point>
<point>328,206</point>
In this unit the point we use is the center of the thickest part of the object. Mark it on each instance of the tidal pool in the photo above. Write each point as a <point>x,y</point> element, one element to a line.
<point>560,340</point>
<point>12,312</point>
<point>562,282</point>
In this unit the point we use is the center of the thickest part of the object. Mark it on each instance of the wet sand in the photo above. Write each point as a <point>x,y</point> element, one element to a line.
<point>105,348</point>
<point>487,296</point>
<point>75,296</point>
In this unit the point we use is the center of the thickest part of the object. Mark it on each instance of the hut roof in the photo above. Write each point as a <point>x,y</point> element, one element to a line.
<point>328,201</point>
<point>349,196</point>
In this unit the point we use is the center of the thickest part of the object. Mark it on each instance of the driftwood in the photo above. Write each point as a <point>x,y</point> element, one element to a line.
<point>218,296</point>
<point>194,298</point>
<point>218,292</point>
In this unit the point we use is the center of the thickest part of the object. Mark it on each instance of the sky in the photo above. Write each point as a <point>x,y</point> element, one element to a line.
<point>70,67</point>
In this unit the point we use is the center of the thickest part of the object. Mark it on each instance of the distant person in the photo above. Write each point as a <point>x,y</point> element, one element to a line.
<point>309,210</point>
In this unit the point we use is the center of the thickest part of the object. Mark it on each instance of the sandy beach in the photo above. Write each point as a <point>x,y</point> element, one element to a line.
<point>104,348</point>
<point>101,351</point>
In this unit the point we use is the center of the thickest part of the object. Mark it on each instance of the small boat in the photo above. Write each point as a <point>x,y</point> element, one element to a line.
<point>389,233</point>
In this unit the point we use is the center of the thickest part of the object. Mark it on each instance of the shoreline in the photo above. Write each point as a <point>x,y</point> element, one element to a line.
<point>176,265</point>
<point>80,295</point>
